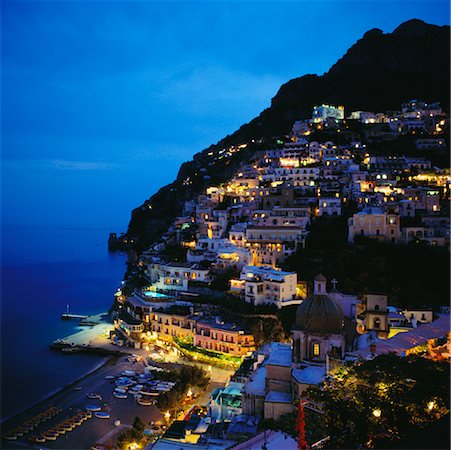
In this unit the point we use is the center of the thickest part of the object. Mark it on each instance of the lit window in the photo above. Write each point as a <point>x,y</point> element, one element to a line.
<point>315,349</point>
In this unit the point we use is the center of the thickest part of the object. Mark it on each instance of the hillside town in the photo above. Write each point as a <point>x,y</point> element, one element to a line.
<point>224,265</point>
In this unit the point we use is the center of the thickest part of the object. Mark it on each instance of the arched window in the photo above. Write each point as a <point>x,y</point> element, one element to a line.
<point>376,307</point>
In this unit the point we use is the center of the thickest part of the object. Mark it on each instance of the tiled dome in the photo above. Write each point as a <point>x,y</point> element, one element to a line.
<point>319,313</point>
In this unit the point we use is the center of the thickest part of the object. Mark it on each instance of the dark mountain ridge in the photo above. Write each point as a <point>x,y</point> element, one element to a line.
<point>378,73</point>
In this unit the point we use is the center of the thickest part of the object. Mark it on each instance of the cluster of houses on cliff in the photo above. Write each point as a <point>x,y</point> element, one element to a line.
<point>250,225</point>
<point>245,229</point>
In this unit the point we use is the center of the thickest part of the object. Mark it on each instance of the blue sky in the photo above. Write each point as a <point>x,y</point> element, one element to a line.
<point>102,101</point>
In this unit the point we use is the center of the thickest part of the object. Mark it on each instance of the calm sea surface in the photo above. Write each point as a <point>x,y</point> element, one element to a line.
<point>55,221</point>
<point>43,269</point>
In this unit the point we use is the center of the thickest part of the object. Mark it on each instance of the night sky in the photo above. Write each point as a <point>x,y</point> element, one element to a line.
<point>102,101</point>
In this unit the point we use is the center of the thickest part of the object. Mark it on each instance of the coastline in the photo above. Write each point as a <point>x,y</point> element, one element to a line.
<point>79,336</point>
<point>58,391</point>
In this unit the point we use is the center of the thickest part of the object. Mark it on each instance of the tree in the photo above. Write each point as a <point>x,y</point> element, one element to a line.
<point>138,424</point>
<point>384,399</point>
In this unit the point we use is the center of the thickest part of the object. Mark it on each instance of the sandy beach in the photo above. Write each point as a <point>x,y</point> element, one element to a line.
<point>74,396</point>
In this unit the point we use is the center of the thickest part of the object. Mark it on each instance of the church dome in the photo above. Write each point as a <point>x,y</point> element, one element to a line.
<point>320,314</point>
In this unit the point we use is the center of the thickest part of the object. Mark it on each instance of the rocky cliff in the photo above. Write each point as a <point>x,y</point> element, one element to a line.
<point>378,73</point>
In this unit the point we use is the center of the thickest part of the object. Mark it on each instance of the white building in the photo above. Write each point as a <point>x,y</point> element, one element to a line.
<point>176,276</point>
<point>260,285</point>
<point>323,112</point>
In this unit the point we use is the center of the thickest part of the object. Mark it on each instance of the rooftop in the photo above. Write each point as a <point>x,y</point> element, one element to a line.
<point>310,375</point>
<point>266,272</point>
<point>273,440</point>
<point>278,397</point>
<point>280,354</point>
<point>257,382</point>
<point>410,339</point>
<point>213,322</point>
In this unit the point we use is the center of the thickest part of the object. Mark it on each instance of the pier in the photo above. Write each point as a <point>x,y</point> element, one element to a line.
<point>68,316</point>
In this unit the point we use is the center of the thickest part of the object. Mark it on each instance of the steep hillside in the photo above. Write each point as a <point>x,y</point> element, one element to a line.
<point>378,73</point>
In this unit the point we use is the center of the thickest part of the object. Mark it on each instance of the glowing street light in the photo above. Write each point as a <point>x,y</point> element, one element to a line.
<point>377,412</point>
<point>167,415</point>
<point>431,405</point>
<point>189,393</point>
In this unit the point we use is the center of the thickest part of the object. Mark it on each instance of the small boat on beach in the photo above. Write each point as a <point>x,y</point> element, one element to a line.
<point>10,437</point>
<point>102,415</point>
<point>120,395</point>
<point>94,395</point>
<point>149,392</point>
<point>37,439</point>
<point>51,435</point>
<point>110,377</point>
<point>93,408</point>
<point>145,401</point>
<point>68,426</point>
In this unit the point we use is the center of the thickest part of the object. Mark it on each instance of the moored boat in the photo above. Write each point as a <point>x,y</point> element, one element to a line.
<point>68,426</point>
<point>50,435</point>
<point>10,436</point>
<point>37,439</point>
<point>120,395</point>
<point>102,415</point>
<point>145,401</point>
<point>93,408</point>
<point>94,395</point>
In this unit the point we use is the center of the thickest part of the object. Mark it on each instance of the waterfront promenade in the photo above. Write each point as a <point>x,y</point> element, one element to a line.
<point>74,396</point>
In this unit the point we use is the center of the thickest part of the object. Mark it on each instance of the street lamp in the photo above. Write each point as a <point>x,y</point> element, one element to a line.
<point>431,405</point>
<point>377,412</point>
<point>167,415</point>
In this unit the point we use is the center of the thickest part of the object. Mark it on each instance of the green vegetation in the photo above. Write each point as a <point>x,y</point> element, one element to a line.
<point>133,435</point>
<point>267,330</point>
<point>187,376</point>
<point>377,402</point>
<point>203,355</point>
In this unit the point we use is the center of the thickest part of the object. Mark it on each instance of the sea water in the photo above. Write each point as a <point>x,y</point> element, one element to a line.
<point>55,222</point>
<point>44,269</point>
